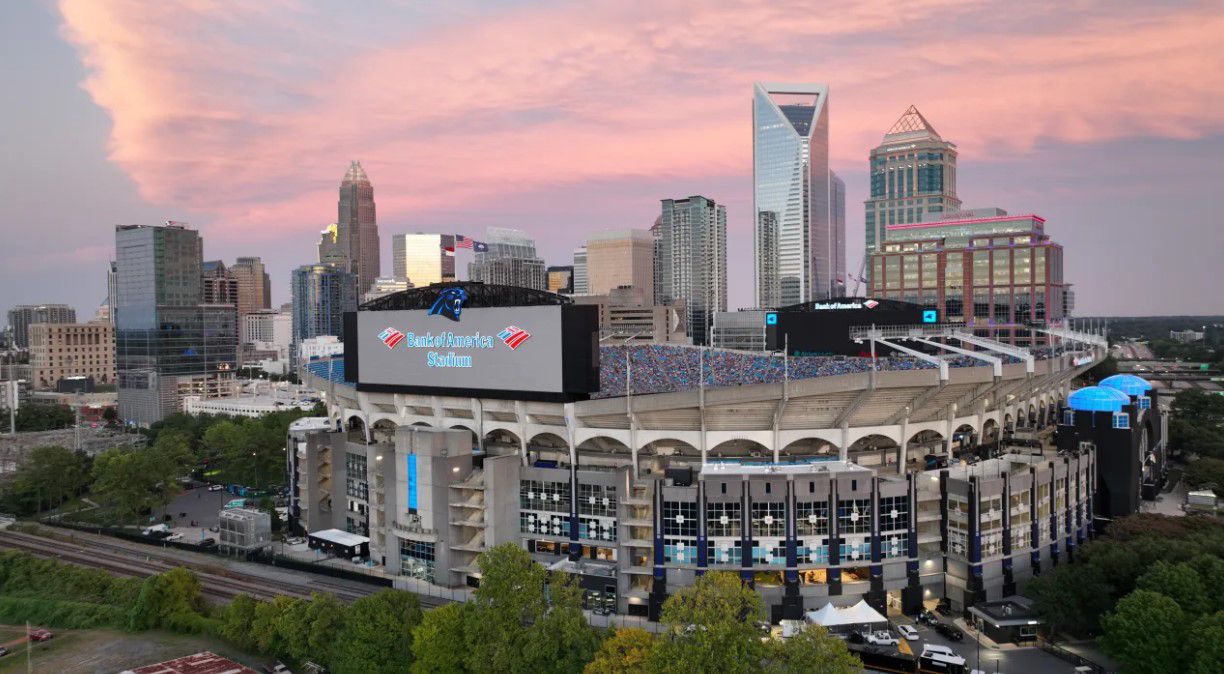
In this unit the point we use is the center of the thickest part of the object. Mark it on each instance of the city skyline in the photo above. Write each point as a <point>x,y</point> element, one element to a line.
<point>253,168</point>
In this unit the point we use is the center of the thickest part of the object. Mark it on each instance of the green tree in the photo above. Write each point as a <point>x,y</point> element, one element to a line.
<point>272,625</point>
<point>812,651</point>
<point>1206,472</point>
<point>438,642</point>
<point>627,651</point>
<point>1197,423</point>
<point>122,481</point>
<point>1205,644</point>
<point>173,599</point>
<point>321,624</point>
<point>377,635</point>
<point>1210,568</point>
<point>711,628</point>
<point>236,621</point>
<point>1179,582</point>
<point>169,458</point>
<point>525,619</point>
<point>1072,597</point>
<point>1146,633</point>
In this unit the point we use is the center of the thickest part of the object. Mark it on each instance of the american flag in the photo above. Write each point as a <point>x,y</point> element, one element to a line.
<point>462,241</point>
<point>513,336</point>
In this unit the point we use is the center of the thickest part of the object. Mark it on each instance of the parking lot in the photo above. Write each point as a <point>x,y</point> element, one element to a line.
<point>989,658</point>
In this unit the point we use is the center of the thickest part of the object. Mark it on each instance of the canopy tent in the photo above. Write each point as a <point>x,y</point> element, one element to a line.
<point>832,616</point>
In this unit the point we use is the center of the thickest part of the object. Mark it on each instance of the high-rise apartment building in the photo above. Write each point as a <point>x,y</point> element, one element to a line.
<point>218,285</point>
<point>619,258</point>
<point>423,259</point>
<point>168,343</point>
<point>357,226</point>
<point>510,260</point>
<point>913,174</point>
<point>22,316</point>
<point>62,350</point>
<point>996,275</point>
<point>321,295</point>
<point>795,239</point>
<point>561,279</point>
<point>254,285</point>
<point>580,271</point>
<point>656,232</point>
<point>692,261</point>
<point>112,291</point>
<point>837,215</point>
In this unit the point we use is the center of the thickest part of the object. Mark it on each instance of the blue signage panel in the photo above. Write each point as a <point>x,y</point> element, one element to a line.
<point>930,316</point>
<point>412,483</point>
<point>771,318</point>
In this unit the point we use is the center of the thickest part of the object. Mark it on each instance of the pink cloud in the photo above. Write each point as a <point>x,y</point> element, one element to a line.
<point>249,111</point>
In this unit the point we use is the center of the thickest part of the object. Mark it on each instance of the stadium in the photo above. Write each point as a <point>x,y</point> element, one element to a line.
<point>903,480</point>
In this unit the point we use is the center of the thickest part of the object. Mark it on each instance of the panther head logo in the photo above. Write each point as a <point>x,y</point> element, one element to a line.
<point>449,303</point>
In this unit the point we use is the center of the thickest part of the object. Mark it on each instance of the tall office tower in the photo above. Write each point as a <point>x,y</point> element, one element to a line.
<point>619,258</point>
<point>22,316</point>
<point>254,285</point>
<point>693,261</point>
<point>112,291</point>
<point>358,226</point>
<point>913,172</point>
<point>217,284</point>
<point>580,271</point>
<point>510,260</point>
<point>656,233</point>
<point>837,216</point>
<point>321,295</point>
<point>561,279</point>
<point>422,259</point>
<point>794,238</point>
<point>168,343</point>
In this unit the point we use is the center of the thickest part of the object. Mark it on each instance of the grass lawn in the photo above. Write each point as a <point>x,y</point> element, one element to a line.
<point>96,651</point>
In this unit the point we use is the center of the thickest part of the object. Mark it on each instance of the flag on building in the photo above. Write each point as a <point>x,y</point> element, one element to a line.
<point>462,241</point>
<point>480,247</point>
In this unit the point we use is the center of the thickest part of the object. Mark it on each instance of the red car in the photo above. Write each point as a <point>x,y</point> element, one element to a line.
<point>40,635</point>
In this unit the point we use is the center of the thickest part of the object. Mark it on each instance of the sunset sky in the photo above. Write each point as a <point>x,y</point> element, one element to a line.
<point>563,118</point>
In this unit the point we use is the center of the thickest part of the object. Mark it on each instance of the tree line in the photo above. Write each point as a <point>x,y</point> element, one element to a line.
<point>1152,588</point>
<point>522,618</point>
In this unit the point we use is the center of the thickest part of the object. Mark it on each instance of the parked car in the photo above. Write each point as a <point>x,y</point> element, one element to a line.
<point>277,667</point>
<point>3,651</point>
<point>176,536</point>
<point>927,617</point>
<point>40,635</point>
<point>207,543</point>
<point>949,631</point>
<point>881,638</point>
<point>908,632</point>
<point>215,487</point>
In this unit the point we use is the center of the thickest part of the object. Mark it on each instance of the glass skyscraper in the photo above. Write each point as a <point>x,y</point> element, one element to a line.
<point>423,259</point>
<point>357,227</point>
<point>795,238</point>
<point>168,343</point>
<point>692,261</point>
<point>913,175</point>
<point>321,295</point>
<point>510,260</point>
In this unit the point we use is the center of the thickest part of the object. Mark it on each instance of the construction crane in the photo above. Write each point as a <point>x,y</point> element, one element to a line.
<point>859,279</point>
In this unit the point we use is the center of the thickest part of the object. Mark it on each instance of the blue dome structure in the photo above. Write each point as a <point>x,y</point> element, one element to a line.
<point>1097,399</point>
<point>1128,384</point>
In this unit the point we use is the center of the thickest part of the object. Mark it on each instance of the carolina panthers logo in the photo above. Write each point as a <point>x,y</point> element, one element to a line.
<point>449,303</point>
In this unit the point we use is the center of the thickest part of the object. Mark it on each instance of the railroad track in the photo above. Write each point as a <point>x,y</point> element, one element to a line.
<point>125,561</point>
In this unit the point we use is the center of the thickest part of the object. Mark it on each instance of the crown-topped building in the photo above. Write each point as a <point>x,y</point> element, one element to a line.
<point>356,235</point>
<point>913,171</point>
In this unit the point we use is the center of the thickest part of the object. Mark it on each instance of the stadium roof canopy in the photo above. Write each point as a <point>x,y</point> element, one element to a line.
<point>1128,384</point>
<point>1097,399</point>
<point>479,296</point>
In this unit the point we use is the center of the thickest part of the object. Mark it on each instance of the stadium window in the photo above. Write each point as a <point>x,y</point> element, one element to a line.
<point>724,487</point>
<point>768,488</point>
<point>811,487</point>
<point>1145,403</point>
<point>1121,420</point>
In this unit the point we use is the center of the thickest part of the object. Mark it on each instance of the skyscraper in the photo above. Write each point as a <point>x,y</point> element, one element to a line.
<point>168,343</point>
<point>357,226</point>
<point>837,215</point>
<point>913,171</point>
<point>510,260</point>
<point>22,316</point>
<point>794,239</point>
<point>580,271</point>
<point>321,295</point>
<point>693,261</point>
<point>561,279</point>
<point>218,285</point>
<point>254,285</point>
<point>619,258</point>
<point>422,259</point>
<point>112,291</point>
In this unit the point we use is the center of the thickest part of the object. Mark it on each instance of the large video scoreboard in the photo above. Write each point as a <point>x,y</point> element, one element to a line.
<point>823,328</point>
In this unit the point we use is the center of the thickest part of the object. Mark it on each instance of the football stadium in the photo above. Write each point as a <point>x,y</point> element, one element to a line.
<point>953,469</point>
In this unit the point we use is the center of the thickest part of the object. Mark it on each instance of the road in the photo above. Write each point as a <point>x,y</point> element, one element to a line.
<point>1005,660</point>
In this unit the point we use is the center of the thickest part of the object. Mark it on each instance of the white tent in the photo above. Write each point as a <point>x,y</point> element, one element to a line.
<point>832,616</point>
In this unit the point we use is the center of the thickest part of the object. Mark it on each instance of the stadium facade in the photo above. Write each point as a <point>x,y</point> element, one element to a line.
<point>816,479</point>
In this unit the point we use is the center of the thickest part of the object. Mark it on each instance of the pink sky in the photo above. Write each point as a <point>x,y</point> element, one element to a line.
<point>245,114</point>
